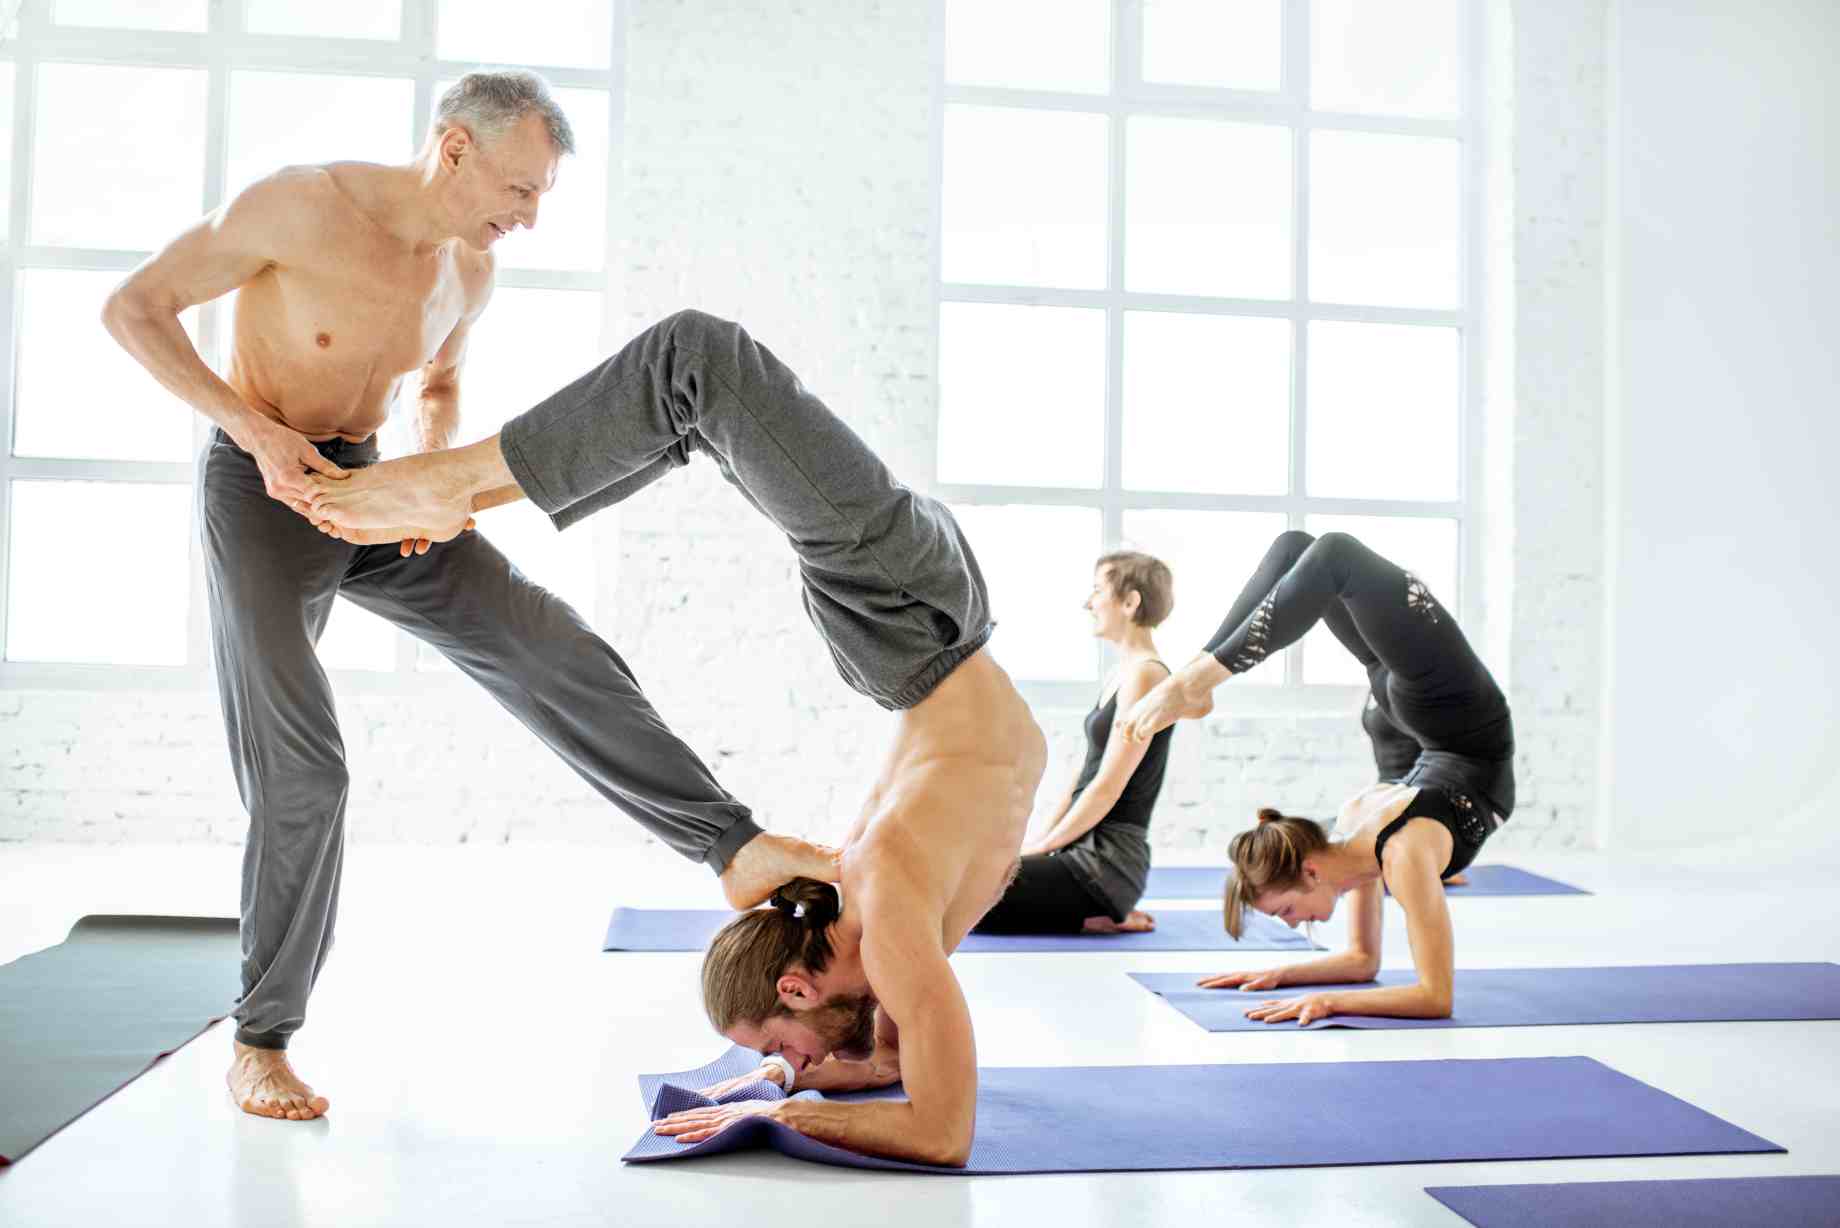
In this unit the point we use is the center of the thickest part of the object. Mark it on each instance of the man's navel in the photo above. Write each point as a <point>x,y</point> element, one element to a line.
<point>324,340</point>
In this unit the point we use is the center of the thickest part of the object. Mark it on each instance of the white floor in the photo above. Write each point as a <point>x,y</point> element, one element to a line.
<point>480,1053</point>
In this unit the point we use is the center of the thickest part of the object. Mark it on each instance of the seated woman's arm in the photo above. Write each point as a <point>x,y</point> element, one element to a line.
<point>1121,759</point>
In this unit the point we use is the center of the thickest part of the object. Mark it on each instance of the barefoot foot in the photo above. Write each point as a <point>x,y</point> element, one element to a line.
<point>1456,880</point>
<point>768,862</point>
<point>1134,923</point>
<point>262,1083</point>
<point>425,489</point>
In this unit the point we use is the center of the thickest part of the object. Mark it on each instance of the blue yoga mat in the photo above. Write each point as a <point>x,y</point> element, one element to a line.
<point>1207,882</point>
<point>1534,997</point>
<point>1781,1202</point>
<point>686,929</point>
<point>1269,1115</point>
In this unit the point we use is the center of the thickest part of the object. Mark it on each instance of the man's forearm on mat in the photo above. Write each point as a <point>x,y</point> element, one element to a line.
<point>890,1128</point>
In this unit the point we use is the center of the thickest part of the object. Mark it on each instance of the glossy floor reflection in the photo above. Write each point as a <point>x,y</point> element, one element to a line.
<point>480,1053</point>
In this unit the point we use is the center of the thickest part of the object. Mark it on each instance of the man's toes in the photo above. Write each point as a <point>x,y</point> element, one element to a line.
<point>319,1104</point>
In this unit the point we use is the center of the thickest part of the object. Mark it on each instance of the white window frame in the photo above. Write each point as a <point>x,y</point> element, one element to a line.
<point>1289,106</point>
<point>226,47</point>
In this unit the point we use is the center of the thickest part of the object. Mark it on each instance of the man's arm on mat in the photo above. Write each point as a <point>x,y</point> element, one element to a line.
<point>913,979</point>
<point>1358,963</point>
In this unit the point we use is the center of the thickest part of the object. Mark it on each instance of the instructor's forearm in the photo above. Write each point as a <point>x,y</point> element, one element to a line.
<point>437,419</point>
<point>156,340</point>
<point>888,1128</point>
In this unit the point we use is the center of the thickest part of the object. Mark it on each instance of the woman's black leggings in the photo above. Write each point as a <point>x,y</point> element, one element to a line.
<point>1425,677</point>
<point>1046,898</point>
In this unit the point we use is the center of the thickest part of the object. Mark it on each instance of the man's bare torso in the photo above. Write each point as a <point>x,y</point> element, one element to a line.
<point>953,800</point>
<point>324,337</point>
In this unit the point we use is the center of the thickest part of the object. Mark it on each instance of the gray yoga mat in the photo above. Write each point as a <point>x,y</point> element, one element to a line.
<point>690,929</point>
<point>1255,1115</point>
<point>1534,997</point>
<point>1780,1202</point>
<point>80,1020</point>
<point>1207,882</point>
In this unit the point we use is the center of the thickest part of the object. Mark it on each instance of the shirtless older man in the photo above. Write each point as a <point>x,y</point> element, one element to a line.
<point>349,276</point>
<point>893,588</point>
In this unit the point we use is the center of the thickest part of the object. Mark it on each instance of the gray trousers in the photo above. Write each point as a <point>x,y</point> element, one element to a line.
<point>889,580</point>
<point>272,578</point>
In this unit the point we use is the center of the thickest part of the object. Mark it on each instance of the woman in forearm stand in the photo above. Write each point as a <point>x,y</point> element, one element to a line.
<point>1444,745</point>
<point>1086,867</point>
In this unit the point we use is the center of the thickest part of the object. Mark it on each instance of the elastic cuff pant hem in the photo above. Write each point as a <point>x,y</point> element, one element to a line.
<point>729,843</point>
<point>262,1040</point>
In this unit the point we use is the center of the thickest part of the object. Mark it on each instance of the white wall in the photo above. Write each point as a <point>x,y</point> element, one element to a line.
<point>1724,615</point>
<point>778,168</point>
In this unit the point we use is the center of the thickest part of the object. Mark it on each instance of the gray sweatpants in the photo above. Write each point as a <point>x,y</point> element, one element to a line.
<point>272,578</point>
<point>889,580</point>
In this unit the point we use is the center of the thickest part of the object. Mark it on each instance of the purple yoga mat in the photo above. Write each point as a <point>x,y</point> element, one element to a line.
<point>1207,882</point>
<point>1534,997</point>
<point>1781,1202</point>
<point>1268,1115</point>
<point>690,929</point>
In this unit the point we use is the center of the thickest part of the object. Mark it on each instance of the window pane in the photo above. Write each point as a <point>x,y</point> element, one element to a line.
<point>571,230</point>
<point>572,33</point>
<point>287,119</point>
<point>1211,554</point>
<point>1398,58</point>
<point>187,15</point>
<point>528,344</point>
<point>1208,208</point>
<point>6,145</point>
<point>1021,395</point>
<point>1038,563</point>
<point>1384,220</point>
<point>1237,46</point>
<point>120,155</point>
<point>1382,420</point>
<point>1426,548</point>
<point>100,573</point>
<point>1025,195</point>
<point>1207,403</point>
<point>355,638</point>
<point>1001,42</point>
<point>326,18</point>
<point>121,413</point>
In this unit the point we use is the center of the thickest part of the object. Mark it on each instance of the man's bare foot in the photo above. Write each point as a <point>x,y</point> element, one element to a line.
<point>1456,880</point>
<point>261,1082</point>
<point>768,862</point>
<point>1134,923</point>
<point>429,488</point>
<point>386,537</point>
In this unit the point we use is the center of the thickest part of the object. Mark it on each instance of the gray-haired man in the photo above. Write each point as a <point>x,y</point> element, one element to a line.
<point>349,276</point>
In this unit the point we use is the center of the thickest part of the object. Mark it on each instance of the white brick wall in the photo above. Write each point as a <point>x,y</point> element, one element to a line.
<point>778,170</point>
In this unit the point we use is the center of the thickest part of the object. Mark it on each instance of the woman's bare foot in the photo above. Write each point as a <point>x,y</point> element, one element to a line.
<point>768,862</point>
<point>430,488</point>
<point>1166,703</point>
<point>1135,922</point>
<point>261,1082</point>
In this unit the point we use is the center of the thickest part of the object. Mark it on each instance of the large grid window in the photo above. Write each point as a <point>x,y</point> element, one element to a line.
<point>1207,272</point>
<point>129,119</point>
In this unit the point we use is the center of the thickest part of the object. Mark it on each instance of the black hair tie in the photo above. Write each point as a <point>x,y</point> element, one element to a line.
<point>789,907</point>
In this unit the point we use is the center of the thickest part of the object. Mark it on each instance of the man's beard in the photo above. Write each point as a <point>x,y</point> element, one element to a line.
<point>846,1025</point>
